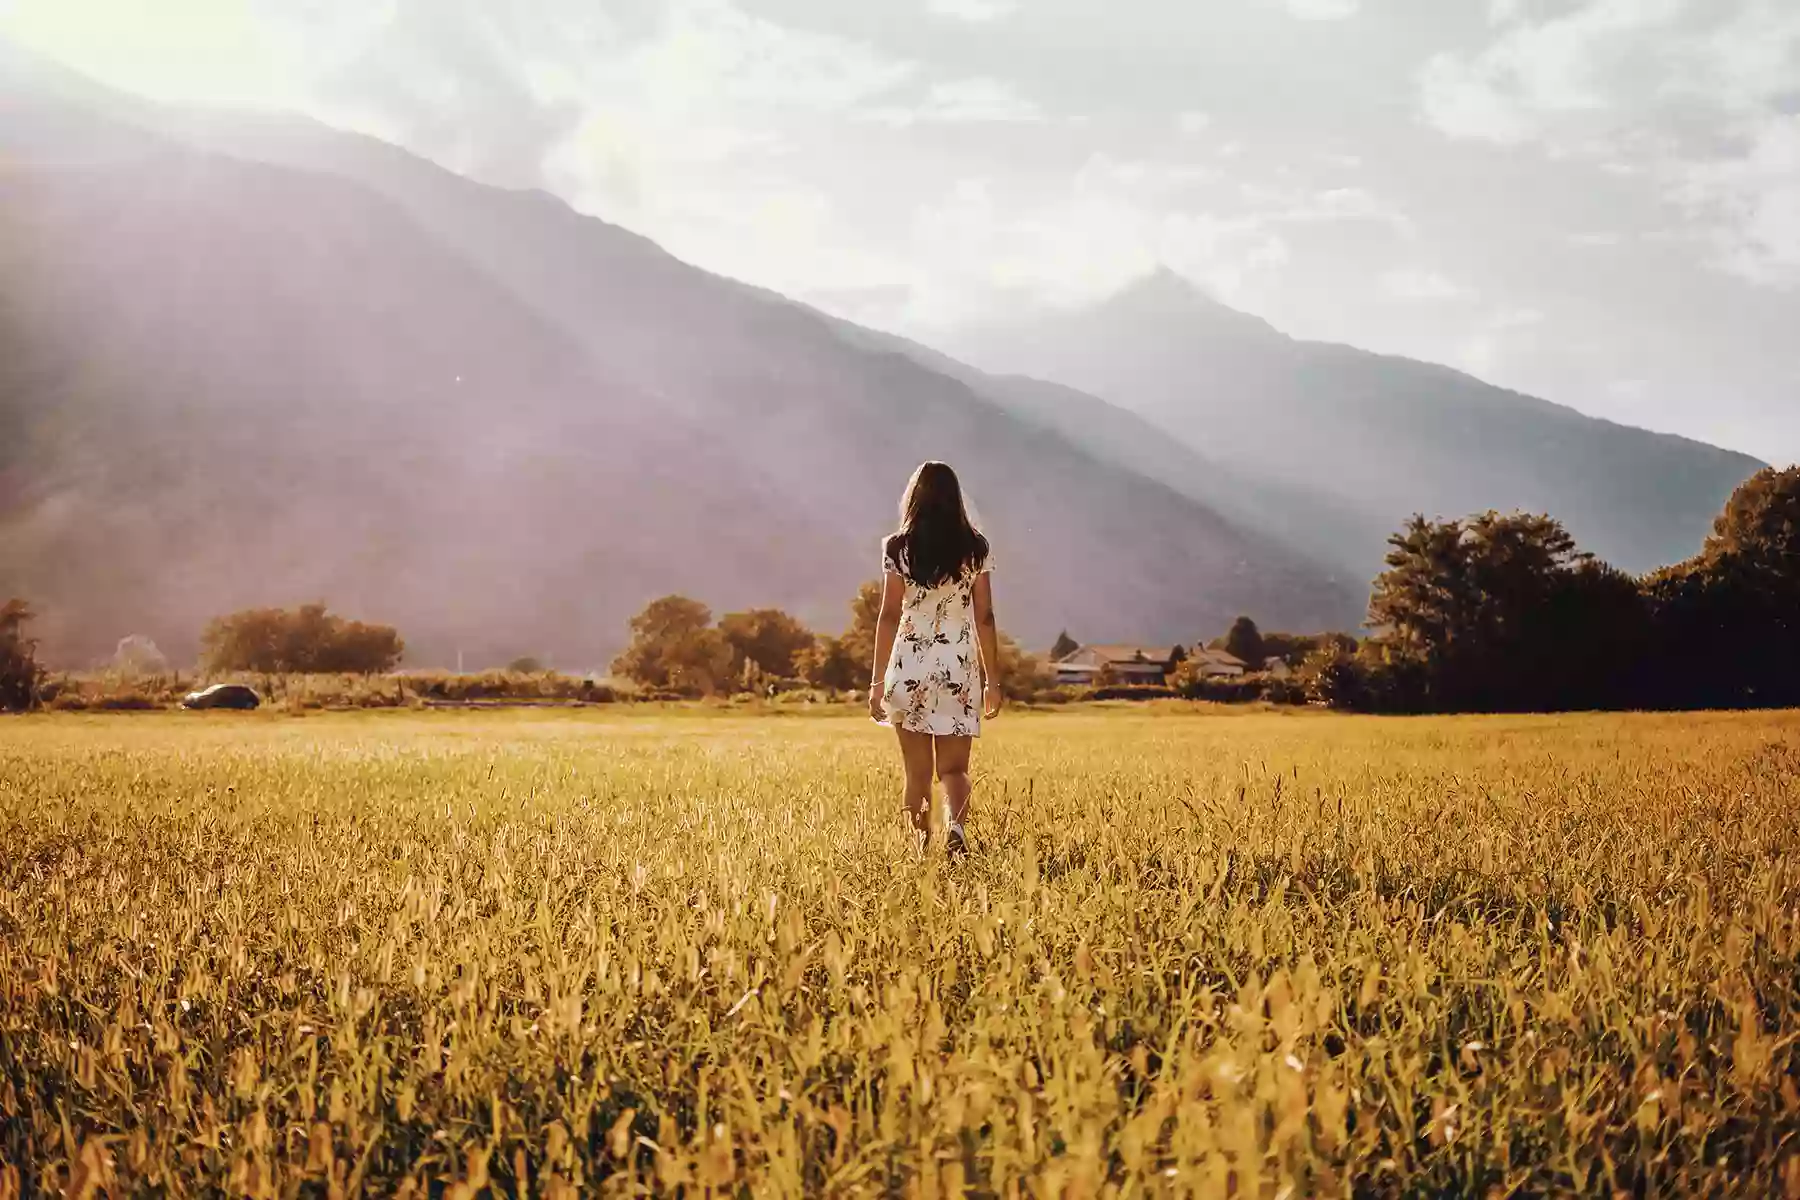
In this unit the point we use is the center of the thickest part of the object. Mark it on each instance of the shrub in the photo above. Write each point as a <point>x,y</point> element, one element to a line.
<point>110,692</point>
<point>1240,689</point>
<point>508,685</point>
<point>1133,691</point>
<point>1371,680</point>
<point>127,702</point>
<point>1285,691</point>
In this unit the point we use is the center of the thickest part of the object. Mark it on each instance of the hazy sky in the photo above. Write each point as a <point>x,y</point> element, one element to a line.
<point>1597,201</point>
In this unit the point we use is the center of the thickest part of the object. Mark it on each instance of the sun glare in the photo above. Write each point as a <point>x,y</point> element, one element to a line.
<point>183,51</point>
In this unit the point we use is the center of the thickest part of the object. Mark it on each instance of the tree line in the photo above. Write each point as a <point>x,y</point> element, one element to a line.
<point>676,646</point>
<point>1490,613</point>
<point>308,640</point>
<point>1505,613</point>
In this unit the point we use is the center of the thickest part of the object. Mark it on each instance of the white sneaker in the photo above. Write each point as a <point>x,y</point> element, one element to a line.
<point>955,844</point>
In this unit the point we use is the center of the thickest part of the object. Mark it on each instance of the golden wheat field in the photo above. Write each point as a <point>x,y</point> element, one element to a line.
<point>1262,955</point>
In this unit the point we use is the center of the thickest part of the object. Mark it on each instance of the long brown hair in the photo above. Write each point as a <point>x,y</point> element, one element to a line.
<point>936,541</point>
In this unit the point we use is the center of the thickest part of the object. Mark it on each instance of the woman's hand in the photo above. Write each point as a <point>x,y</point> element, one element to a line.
<point>992,701</point>
<point>877,702</point>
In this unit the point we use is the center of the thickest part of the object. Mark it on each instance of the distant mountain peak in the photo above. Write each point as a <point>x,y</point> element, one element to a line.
<point>1166,296</point>
<point>1168,279</point>
<point>1163,285</point>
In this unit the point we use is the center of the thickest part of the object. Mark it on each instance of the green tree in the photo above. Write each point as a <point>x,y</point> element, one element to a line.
<point>827,665</point>
<point>1245,641</point>
<point>1727,622</point>
<point>673,645</point>
<point>1759,531</point>
<point>768,638</point>
<point>1065,646</point>
<point>305,640</point>
<point>1294,648</point>
<point>20,674</point>
<point>1497,612</point>
<point>528,665</point>
<point>858,642</point>
<point>1421,601</point>
<point>1022,676</point>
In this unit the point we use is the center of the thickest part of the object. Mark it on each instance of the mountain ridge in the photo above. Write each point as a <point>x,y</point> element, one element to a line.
<point>498,423</point>
<point>1382,435</point>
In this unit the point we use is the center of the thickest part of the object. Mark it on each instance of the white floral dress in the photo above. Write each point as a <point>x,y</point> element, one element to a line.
<point>933,679</point>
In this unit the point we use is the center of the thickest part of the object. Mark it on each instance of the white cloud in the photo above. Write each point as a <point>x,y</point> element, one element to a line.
<point>1483,352</point>
<point>1462,100</point>
<point>1696,101</point>
<point>1599,238</point>
<point>978,100</point>
<point>961,100</point>
<point>1323,10</point>
<point>200,51</point>
<point>1537,73</point>
<point>1192,122</point>
<point>972,10</point>
<point>1108,225</point>
<point>689,138</point>
<point>712,52</point>
<point>1742,65</point>
<point>1754,200</point>
<point>1602,70</point>
<point>706,95</point>
<point>1293,206</point>
<point>1500,12</point>
<point>1416,284</point>
<point>992,240</point>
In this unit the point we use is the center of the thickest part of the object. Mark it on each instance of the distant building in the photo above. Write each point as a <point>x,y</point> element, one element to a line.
<point>1120,664</point>
<point>1217,664</point>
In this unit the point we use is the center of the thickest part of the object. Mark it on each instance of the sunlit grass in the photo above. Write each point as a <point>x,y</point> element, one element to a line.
<point>629,951</point>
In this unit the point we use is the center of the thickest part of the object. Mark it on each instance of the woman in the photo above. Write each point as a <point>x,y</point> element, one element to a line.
<point>935,642</point>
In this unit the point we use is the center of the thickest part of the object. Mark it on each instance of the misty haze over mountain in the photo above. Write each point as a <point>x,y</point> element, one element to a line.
<point>1345,441</point>
<point>251,360</point>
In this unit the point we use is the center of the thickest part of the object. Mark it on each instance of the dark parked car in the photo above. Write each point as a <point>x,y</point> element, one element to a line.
<point>223,695</point>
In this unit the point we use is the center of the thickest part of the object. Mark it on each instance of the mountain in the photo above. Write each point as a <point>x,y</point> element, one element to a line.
<point>1360,440</point>
<point>254,361</point>
<point>1285,514</point>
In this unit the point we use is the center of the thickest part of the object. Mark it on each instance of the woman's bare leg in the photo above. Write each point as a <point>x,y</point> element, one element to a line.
<point>952,756</point>
<point>915,751</point>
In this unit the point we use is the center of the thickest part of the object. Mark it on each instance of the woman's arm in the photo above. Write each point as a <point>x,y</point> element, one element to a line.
<point>887,625</point>
<point>987,634</point>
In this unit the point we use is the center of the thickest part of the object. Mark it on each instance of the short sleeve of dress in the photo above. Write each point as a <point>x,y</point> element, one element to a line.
<point>987,566</point>
<point>887,558</point>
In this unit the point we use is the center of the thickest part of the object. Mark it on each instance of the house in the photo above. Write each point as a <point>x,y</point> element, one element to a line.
<point>1118,664</point>
<point>1217,664</point>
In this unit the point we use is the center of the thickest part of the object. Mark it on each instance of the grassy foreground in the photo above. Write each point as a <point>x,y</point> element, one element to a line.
<point>1286,954</point>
